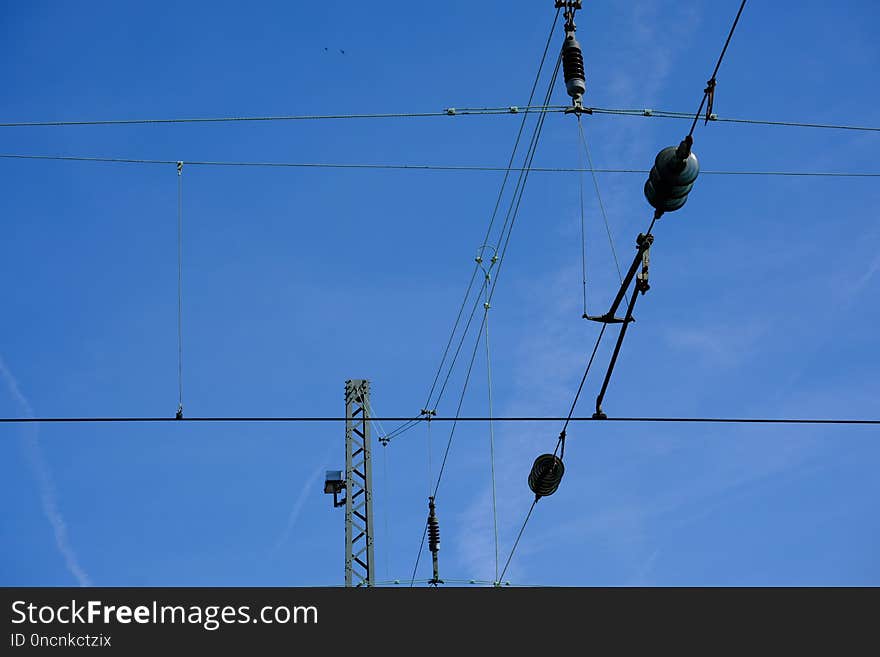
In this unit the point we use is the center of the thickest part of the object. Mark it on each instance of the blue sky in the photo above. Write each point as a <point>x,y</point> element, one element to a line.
<point>763,298</point>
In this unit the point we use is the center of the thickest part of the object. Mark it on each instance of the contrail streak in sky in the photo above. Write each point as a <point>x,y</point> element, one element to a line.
<point>43,475</point>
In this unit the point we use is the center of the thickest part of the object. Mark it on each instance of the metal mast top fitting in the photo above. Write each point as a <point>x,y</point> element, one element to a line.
<point>572,58</point>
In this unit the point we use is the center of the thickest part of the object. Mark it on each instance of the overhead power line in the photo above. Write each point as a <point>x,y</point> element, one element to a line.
<point>665,114</point>
<point>536,418</point>
<point>449,112</point>
<point>427,167</point>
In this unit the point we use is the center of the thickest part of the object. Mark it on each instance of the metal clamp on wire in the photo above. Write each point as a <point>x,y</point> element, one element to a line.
<point>642,277</point>
<point>710,96</point>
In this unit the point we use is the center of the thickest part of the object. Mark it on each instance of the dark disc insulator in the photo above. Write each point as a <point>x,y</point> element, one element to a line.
<point>671,179</point>
<point>433,529</point>
<point>546,475</point>
<point>433,534</point>
<point>573,68</point>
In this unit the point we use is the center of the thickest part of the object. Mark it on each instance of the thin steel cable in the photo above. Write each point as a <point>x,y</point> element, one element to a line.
<point>610,111</point>
<point>502,188</point>
<point>518,536</point>
<point>516,201</point>
<point>510,219</point>
<point>795,124</point>
<point>425,167</point>
<point>583,228</point>
<point>430,469</point>
<point>519,189</point>
<point>584,378</point>
<point>688,116</point>
<point>387,493</point>
<point>592,170</point>
<point>464,387</point>
<point>428,404</point>
<point>599,197</point>
<point>522,182</point>
<point>450,112</point>
<point>179,289</point>
<point>491,435</point>
<point>448,446</point>
<point>402,428</point>
<point>583,139</point>
<point>456,420</point>
<point>522,126</point>
<point>461,308</point>
<point>710,88</point>
<point>419,557</point>
<point>464,334</point>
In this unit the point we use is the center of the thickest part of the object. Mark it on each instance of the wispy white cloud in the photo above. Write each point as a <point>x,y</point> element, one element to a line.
<point>719,344</point>
<point>308,488</point>
<point>43,475</point>
<point>867,275</point>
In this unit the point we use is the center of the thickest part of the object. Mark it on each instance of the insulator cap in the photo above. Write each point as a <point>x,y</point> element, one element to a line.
<point>546,475</point>
<point>573,68</point>
<point>672,178</point>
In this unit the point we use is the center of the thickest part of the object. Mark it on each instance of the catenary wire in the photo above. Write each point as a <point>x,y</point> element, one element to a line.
<point>429,405</point>
<point>430,167</point>
<point>609,111</point>
<point>450,111</point>
<point>688,116</point>
<point>533,418</point>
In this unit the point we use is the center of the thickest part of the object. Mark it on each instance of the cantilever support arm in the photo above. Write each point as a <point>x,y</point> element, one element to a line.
<point>599,415</point>
<point>643,242</point>
<point>641,260</point>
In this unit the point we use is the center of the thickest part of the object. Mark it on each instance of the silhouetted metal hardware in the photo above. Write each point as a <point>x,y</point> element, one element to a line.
<point>643,242</point>
<point>546,474</point>
<point>710,96</point>
<point>434,540</point>
<point>672,177</point>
